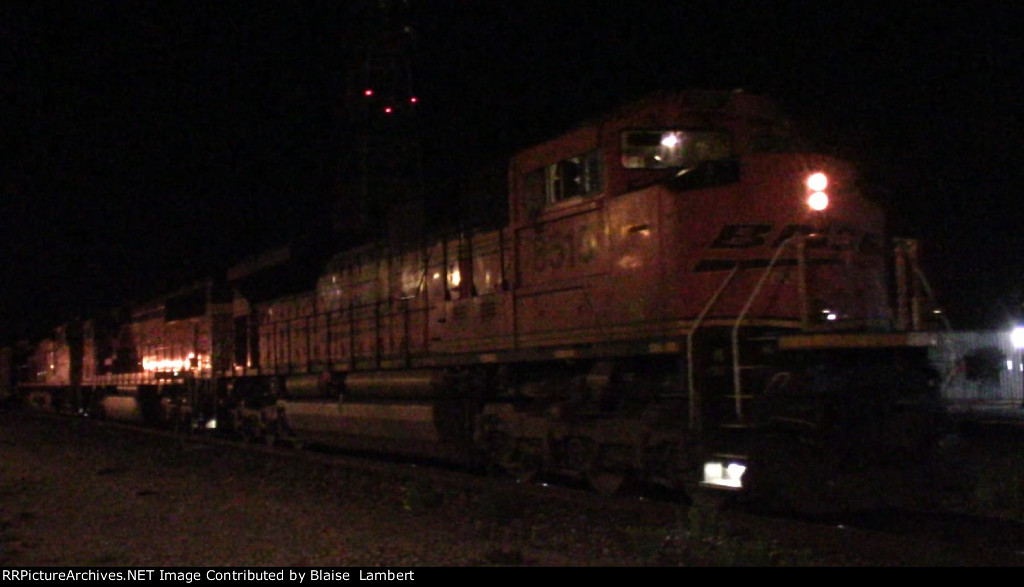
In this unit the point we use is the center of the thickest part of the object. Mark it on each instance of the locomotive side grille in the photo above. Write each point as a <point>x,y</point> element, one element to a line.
<point>488,309</point>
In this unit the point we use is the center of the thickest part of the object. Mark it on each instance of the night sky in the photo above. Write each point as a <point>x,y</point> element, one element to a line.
<point>146,145</point>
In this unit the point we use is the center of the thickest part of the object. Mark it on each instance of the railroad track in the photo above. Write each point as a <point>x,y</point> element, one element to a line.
<point>995,539</point>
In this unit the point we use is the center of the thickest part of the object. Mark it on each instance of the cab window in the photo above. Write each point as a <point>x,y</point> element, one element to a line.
<point>568,178</point>
<point>669,148</point>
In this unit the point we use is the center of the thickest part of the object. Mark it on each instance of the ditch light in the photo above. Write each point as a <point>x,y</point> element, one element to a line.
<point>723,474</point>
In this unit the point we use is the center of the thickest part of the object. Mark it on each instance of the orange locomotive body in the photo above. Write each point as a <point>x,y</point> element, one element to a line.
<point>678,281</point>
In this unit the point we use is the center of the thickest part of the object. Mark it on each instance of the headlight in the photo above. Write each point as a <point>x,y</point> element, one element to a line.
<point>817,201</point>
<point>816,183</point>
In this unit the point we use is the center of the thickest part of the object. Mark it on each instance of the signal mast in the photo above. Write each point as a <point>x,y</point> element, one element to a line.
<point>380,185</point>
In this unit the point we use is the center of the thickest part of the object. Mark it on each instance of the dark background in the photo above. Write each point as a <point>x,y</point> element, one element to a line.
<point>145,145</point>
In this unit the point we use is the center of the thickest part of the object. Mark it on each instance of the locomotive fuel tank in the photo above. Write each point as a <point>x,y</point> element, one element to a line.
<point>404,410</point>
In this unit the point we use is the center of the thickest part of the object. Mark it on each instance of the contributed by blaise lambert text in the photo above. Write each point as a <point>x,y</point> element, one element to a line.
<point>193,576</point>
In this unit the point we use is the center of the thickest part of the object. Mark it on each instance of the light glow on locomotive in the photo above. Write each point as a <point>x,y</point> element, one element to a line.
<point>663,149</point>
<point>191,361</point>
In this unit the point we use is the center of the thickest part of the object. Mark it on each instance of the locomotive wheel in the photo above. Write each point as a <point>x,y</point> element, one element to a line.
<point>505,454</point>
<point>789,474</point>
<point>523,471</point>
<point>606,482</point>
<point>525,462</point>
<point>270,434</point>
<point>601,478</point>
<point>249,429</point>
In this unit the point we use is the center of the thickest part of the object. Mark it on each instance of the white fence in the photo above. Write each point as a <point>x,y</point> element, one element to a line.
<point>981,371</point>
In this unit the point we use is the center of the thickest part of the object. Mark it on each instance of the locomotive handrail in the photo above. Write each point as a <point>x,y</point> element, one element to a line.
<point>736,379</point>
<point>908,304</point>
<point>695,423</point>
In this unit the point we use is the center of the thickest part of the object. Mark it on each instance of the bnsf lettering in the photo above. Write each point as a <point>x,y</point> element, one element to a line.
<point>794,229</point>
<point>834,237</point>
<point>555,250</point>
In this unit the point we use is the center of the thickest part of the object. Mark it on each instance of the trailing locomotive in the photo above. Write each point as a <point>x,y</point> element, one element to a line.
<point>681,296</point>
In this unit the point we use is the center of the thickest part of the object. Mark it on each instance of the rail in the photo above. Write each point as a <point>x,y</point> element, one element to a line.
<point>736,378</point>
<point>695,423</point>
<point>908,306</point>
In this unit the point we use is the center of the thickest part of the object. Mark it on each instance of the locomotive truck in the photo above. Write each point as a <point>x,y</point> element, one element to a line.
<point>679,294</point>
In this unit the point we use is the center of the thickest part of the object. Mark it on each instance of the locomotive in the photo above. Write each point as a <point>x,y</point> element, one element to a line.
<point>680,295</point>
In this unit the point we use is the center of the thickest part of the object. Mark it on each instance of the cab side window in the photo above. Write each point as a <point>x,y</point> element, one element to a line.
<point>574,176</point>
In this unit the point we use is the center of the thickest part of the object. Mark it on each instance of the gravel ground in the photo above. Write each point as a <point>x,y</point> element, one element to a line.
<point>79,494</point>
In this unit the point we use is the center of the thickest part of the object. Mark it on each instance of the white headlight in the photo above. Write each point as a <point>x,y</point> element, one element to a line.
<point>817,182</point>
<point>818,201</point>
